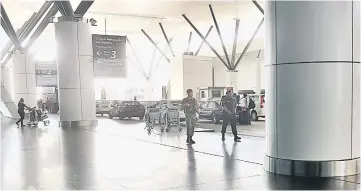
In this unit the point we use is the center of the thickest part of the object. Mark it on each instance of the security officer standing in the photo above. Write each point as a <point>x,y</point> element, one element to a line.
<point>190,107</point>
<point>229,105</point>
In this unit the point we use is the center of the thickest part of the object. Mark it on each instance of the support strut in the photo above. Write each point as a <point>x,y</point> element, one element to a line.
<point>200,46</point>
<point>151,40</point>
<point>248,44</point>
<point>205,40</point>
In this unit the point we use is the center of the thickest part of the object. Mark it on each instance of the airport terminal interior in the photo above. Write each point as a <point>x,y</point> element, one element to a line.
<point>180,95</point>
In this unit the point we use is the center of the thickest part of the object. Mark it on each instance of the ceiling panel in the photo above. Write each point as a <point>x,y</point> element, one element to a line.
<point>128,17</point>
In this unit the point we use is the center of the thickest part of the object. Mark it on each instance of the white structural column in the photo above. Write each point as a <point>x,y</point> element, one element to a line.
<point>75,73</point>
<point>23,79</point>
<point>232,78</point>
<point>313,87</point>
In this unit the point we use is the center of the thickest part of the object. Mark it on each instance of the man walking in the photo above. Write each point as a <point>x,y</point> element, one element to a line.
<point>229,115</point>
<point>190,107</point>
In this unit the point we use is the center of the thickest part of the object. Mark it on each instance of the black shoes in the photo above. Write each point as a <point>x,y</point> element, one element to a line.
<point>237,139</point>
<point>190,141</point>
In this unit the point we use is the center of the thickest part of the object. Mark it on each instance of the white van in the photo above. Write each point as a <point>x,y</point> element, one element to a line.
<point>259,110</point>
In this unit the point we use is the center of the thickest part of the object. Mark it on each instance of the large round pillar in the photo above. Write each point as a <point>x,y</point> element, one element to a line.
<point>75,73</point>
<point>23,79</point>
<point>313,88</point>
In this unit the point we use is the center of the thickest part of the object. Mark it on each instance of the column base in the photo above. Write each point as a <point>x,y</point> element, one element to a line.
<point>312,168</point>
<point>83,123</point>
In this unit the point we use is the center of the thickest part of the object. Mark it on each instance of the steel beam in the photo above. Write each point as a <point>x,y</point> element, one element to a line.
<point>65,7</point>
<point>259,52</point>
<point>189,41</point>
<point>248,44</point>
<point>43,24</point>
<point>26,25</point>
<point>151,40</point>
<point>258,6</point>
<point>7,31</point>
<point>166,38</point>
<point>9,44</point>
<point>160,59</point>
<point>220,35</point>
<point>35,21</point>
<point>234,49</point>
<point>83,7</point>
<point>31,24</point>
<point>151,63</point>
<point>136,57</point>
<point>200,46</point>
<point>8,27</point>
<point>205,40</point>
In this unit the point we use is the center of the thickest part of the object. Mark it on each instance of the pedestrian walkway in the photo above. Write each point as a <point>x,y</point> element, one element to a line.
<point>121,155</point>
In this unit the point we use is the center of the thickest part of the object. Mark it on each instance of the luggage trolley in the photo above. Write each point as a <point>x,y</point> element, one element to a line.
<point>163,114</point>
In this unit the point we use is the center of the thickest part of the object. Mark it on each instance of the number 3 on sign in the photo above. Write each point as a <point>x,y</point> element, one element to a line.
<point>114,53</point>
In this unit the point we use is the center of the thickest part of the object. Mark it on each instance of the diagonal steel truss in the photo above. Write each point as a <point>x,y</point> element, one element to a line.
<point>229,64</point>
<point>8,27</point>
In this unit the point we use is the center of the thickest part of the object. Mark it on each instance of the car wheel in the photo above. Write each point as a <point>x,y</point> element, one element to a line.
<point>254,116</point>
<point>215,120</point>
<point>141,117</point>
<point>110,116</point>
<point>120,117</point>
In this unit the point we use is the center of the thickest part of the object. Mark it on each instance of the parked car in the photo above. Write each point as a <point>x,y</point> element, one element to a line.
<point>102,106</point>
<point>211,110</point>
<point>123,109</point>
<point>259,110</point>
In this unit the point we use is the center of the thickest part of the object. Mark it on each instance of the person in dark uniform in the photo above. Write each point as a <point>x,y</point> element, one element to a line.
<point>21,112</point>
<point>190,107</point>
<point>229,115</point>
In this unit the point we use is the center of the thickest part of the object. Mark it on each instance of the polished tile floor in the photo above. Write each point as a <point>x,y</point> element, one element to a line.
<point>121,155</point>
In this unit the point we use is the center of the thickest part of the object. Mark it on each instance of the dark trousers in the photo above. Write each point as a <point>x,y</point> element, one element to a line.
<point>229,119</point>
<point>191,123</point>
<point>22,116</point>
<point>244,118</point>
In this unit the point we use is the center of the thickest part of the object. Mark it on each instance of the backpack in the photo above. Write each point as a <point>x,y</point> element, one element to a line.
<point>251,104</point>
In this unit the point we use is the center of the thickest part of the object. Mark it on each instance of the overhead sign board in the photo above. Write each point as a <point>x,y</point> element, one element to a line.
<point>46,74</point>
<point>109,54</point>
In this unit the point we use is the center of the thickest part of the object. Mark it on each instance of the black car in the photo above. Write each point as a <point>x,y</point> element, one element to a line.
<point>123,109</point>
<point>211,110</point>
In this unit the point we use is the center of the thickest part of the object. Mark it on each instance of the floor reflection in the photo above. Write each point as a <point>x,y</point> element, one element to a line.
<point>120,155</point>
<point>229,164</point>
<point>192,168</point>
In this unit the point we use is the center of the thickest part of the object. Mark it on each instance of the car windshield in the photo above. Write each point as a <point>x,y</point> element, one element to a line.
<point>126,103</point>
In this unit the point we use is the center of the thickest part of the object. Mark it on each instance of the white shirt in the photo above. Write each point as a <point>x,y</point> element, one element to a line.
<point>244,102</point>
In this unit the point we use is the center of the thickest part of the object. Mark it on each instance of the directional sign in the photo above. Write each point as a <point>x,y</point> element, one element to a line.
<point>46,74</point>
<point>109,53</point>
